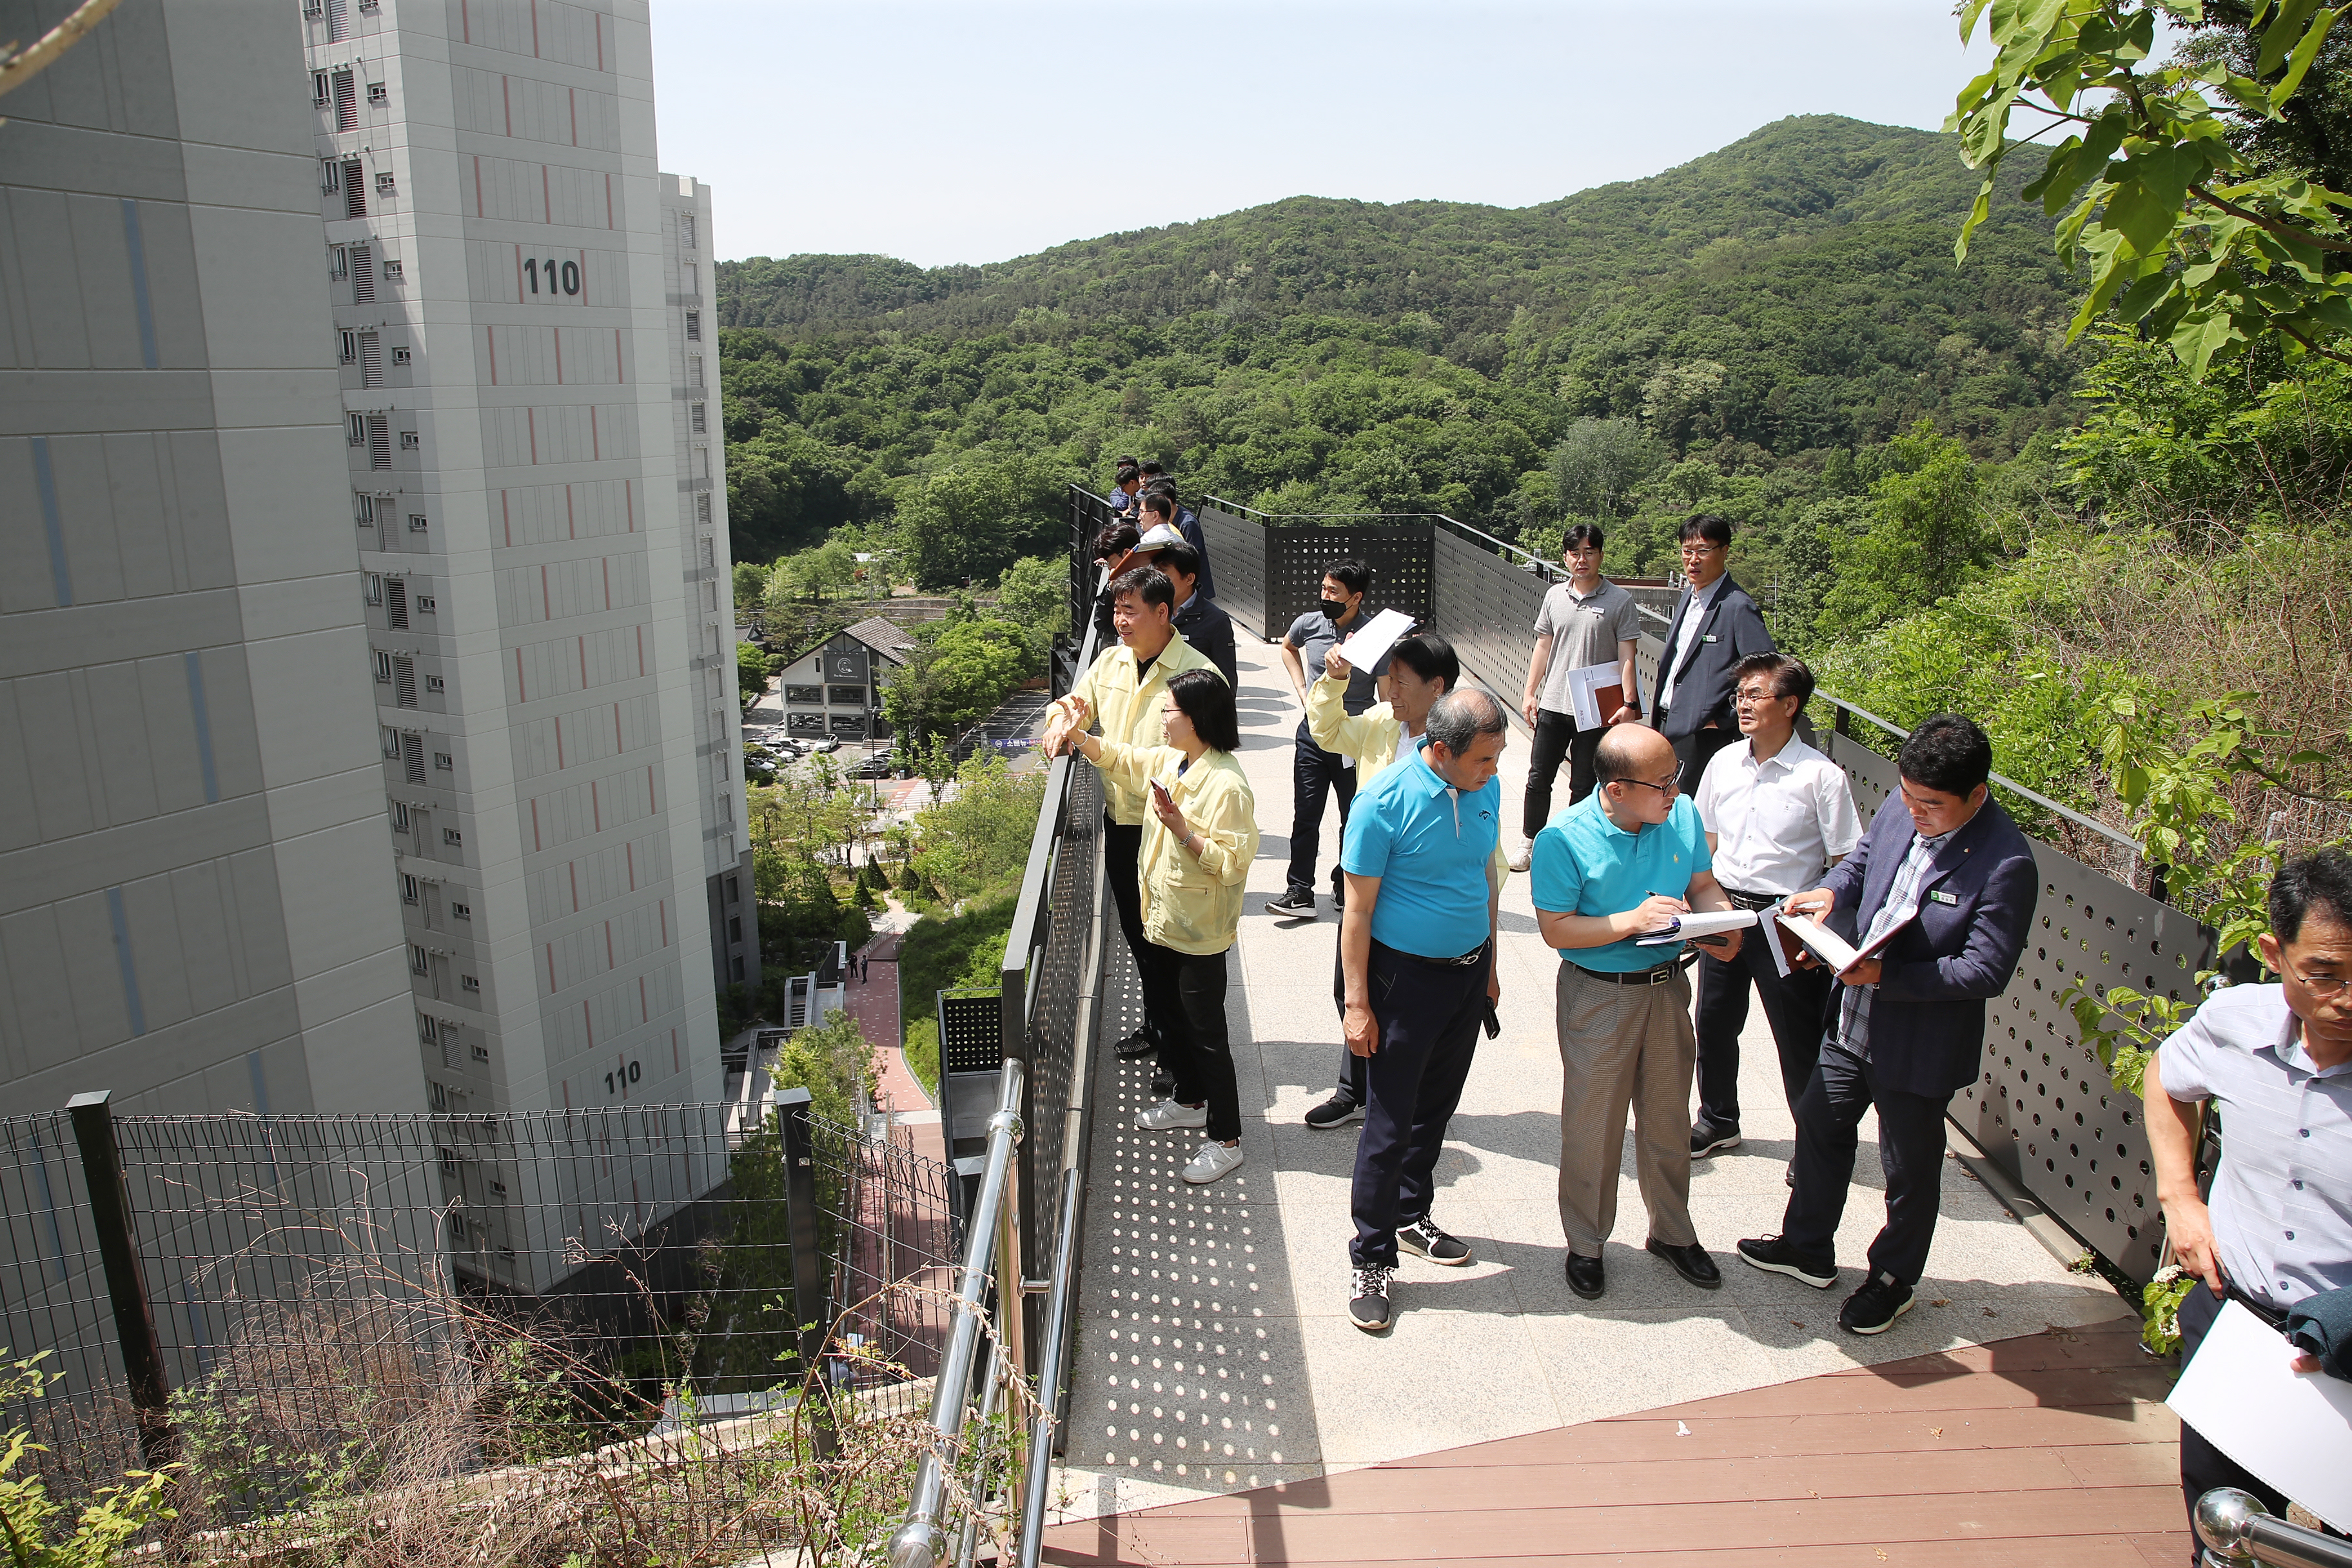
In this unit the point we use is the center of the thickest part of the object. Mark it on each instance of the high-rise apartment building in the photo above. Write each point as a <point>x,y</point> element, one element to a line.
<point>547,637</point>
<point>195,904</point>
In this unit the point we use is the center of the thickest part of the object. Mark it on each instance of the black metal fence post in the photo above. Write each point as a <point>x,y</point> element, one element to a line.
<point>118,1249</point>
<point>809,1303</point>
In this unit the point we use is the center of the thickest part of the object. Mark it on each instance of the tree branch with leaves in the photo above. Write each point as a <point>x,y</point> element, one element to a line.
<point>2185,236</point>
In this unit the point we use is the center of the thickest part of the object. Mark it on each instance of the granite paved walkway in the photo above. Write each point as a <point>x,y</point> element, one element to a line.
<point>1214,1350</point>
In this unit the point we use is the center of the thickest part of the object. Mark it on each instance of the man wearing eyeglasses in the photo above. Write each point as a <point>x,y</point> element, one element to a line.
<point>1716,625</point>
<point>1628,861</point>
<point>1777,815</point>
<point>2276,1061</point>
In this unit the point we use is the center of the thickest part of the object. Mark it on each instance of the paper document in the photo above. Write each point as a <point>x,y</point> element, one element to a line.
<point>1698,923</point>
<point>1834,949</point>
<point>2292,1428</point>
<point>1594,693</point>
<point>1767,925</point>
<point>1370,643</point>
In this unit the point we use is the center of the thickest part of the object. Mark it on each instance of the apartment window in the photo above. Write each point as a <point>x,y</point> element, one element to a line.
<point>458,1229</point>
<point>331,176</point>
<point>436,1095</point>
<point>318,90</point>
<point>448,1158</point>
<point>378,440</point>
<point>395,603</point>
<point>467,983</point>
<point>351,346</point>
<point>384,183</point>
<point>453,838</point>
<point>399,816</point>
<point>428,1033</point>
<point>482,1054</point>
<point>734,888</point>
<point>384,671</point>
<point>694,326</point>
<point>497,1189</point>
<point>694,371</point>
<point>363,506</point>
<point>339,262</point>
<point>376,94</point>
<point>394,269</point>
<point>408,442</point>
<point>461,912</point>
<point>702,506</point>
<point>417,522</point>
<point>417,962</point>
<point>735,928</point>
<point>443,763</point>
<point>391,741</point>
<point>354,178</point>
<point>697,413</point>
<point>358,434</point>
<point>399,356</point>
<point>371,359</point>
<point>425,604</point>
<point>505,1254</point>
<point>693,280</point>
<point>412,758</point>
<point>738,970</point>
<point>346,106</point>
<point>686,230</point>
<point>410,893</point>
<point>371,587</point>
<point>435,683</point>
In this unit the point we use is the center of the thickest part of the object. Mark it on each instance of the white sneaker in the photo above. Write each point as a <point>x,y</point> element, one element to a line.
<point>1214,1160</point>
<point>1165,1115</point>
<point>1522,852</point>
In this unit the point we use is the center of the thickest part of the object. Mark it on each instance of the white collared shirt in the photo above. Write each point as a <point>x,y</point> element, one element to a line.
<point>1701,600</point>
<point>1777,824</point>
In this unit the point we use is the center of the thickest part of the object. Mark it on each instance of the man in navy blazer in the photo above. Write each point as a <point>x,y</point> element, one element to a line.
<point>1943,868</point>
<point>1716,625</point>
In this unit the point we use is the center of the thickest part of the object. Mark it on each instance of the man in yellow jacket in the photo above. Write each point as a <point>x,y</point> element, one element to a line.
<point>1422,669</point>
<point>1123,690</point>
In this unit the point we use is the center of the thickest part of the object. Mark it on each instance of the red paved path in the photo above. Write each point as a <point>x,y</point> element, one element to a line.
<point>874,1003</point>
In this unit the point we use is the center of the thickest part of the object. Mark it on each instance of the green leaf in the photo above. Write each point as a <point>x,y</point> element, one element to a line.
<point>2300,61</point>
<point>2280,36</point>
<point>1978,211</point>
<point>2140,215</point>
<point>2143,296</point>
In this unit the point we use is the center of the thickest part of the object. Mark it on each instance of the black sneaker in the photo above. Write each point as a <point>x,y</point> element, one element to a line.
<point>1706,1140</point>
<point>1295,902</point>
<point>1338,896</point>
<point>1141,1042</point>
<point>1336,1112</point>
<point>1874,1309</point>
<point>1423,1239</point>
<point>1368,1297</point>
<point>1775,1256</point>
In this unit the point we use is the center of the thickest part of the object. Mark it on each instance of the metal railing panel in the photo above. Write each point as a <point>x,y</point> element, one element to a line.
<point>1238,557</point>
<point>1484,607</point>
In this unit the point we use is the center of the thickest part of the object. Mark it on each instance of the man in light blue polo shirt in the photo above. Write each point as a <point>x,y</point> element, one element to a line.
<point>1629,858</point>
<point>1417,962</point>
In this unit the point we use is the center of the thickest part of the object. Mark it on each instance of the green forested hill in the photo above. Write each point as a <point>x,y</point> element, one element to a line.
<point>1751,312</point>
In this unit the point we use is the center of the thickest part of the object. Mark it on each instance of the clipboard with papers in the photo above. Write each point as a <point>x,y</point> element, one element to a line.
<point>1594,692</point>
<point>1696,923</point>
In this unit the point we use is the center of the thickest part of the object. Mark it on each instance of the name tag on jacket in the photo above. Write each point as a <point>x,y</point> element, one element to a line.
<point>1937,896</point>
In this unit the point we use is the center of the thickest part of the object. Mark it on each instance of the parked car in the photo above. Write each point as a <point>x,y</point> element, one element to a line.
<point>872,765</point>
<point>829,744</point>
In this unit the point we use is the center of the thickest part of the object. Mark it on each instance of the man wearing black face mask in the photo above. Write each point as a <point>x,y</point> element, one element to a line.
<point>1316,772</point>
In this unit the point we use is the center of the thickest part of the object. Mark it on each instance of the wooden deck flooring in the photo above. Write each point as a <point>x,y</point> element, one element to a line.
<point>2051,1450</point>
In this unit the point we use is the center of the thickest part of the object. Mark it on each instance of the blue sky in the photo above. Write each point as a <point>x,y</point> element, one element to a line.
<point>976,131</point>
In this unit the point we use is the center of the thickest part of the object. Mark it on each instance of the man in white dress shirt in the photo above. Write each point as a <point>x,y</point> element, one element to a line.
<point>1777,815</point>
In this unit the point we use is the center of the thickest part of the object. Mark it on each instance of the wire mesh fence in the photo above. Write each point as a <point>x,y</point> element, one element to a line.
<point>397,1334</point>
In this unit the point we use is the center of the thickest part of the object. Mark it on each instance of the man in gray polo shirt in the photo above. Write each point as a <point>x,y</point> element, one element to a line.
<point>1585,621</point>
<point>2276,1061</point>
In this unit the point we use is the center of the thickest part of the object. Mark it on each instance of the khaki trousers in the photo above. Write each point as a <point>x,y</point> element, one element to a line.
<point>1623,1046</point>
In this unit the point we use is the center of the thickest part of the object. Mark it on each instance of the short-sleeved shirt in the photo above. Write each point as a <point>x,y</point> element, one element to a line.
<point>1777,824</point>
<point>1584,864</point>
<point>1584,632</point>
<point>1313,636</point>
<point>1429,844</point>
<point>2282,1201</point>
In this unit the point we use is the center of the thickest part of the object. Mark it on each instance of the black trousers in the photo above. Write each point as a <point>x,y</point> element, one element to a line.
<point>1428,1018</point>
<point>1352,1085</point>
<point>1794,1007</point>
<point>1195,1045</point>
<point>1314,772</point>
<point>1122,851</point>
<point>1910,1150</point>
<point>1698,749</point>
<point>1557,736</point>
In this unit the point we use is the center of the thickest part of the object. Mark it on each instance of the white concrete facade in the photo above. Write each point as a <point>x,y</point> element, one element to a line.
<point>494,242</point>
<point>192,862</point>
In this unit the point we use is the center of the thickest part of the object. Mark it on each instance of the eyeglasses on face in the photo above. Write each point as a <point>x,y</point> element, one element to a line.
<point>2322,986</point>
<point>1672,787</point>
<point>1754,699</point>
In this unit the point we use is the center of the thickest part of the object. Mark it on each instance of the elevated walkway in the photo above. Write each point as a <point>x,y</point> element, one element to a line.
<point>1214,1355</point>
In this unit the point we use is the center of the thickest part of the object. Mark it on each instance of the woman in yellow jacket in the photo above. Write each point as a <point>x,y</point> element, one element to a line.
<point>1198,842</point>
<point>1421,668</point>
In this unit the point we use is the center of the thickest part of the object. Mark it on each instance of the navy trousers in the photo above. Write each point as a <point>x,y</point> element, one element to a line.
<point>1428,1017</point>
<point>1794,1007</point>
<point>1910,1151</point>
<point>1351,1065</point>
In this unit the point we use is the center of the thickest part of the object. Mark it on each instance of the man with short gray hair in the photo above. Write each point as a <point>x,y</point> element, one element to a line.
<point>1417,959</point>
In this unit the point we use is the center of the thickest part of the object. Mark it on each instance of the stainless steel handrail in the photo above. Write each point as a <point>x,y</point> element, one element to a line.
<point>918,1542</point>
<point>2237,1529</point>
<point>1040,1456</point>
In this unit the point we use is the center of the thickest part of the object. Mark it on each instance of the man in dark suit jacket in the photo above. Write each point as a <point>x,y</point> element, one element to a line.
<point>1947,873</point>
<point>1203,625</point>
<point>1716,625</point>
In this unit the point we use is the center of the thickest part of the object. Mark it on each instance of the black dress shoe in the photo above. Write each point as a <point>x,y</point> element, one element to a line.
<point>1691,1262</point>
<point>1164,1084</point>
<point>1141,1042</point>
<point>1584,1277</point>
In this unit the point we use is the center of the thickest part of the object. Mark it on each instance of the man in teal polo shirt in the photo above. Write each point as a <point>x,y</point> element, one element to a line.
<point>1417,964</point>
<point>1629,858</point>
